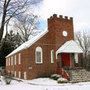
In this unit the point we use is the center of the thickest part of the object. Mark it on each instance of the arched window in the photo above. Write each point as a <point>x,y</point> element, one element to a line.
<point>38,55</point>
<point>52,56</point>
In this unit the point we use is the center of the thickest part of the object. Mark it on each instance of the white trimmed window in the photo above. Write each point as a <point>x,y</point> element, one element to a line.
<point>52,56</point>
<point>19,74</point>
<point>15,73</point>
<point>25,75</point>
<point>12,60</point>
<point>38,55</point>
<point>19,58</point>
<point>15,60</point>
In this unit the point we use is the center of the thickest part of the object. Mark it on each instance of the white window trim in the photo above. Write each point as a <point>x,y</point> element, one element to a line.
<point>15,73</point>
<point>15,60</point>
<point>25,75</point>
<point>12,60</point>
<point>19,58</point>
<point>19,74</point>
<point>38,49</point>
<point>52,56</point>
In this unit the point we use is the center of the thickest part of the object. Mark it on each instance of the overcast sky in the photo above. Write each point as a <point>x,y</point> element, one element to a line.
<point>78,9</point>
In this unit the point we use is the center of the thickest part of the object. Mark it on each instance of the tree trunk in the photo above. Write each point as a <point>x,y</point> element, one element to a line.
<point>1,33</point>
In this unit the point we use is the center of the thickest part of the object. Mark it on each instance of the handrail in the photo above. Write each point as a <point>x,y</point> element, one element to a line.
<point>62,72</point>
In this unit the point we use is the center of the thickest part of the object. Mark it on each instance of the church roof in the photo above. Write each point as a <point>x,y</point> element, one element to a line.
<point>28,43</point>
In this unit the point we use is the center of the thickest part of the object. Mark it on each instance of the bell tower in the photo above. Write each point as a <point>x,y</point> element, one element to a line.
<point>61,29</point>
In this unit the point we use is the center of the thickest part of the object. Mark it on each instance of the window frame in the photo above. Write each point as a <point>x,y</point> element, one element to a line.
<point>25,75</point>
<point>19,58</point>
<point>52,56</point>
<point>19,74</point>
<point>7,62</point>
<point>38,50</point>
<point>15,60</point>
<point>15,73</point>
<point>11,60</point>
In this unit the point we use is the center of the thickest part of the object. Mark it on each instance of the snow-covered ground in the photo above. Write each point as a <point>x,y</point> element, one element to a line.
<point>43,84</point>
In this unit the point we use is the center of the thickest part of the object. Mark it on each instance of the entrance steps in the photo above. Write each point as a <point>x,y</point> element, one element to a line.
<point>63,73</point>
<point>79,75</point>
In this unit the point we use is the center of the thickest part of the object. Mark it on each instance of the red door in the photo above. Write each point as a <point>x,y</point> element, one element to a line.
<point>65,58</point>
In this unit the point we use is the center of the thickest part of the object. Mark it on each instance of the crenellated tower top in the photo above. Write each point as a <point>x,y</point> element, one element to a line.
<point>60,17</point>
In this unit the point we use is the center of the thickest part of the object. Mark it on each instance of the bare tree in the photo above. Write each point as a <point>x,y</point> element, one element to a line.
<point>83,41</point>
<point>13,8</point>
<point>26,26</point>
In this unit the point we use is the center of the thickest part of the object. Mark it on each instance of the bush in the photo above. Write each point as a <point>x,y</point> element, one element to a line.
<point>8,80</point>
<point>55,76</point>
<point>62,80</point>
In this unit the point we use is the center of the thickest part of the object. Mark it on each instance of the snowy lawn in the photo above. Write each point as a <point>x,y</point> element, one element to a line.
<point>44,84</point>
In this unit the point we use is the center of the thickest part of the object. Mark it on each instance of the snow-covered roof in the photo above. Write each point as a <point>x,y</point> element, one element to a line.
<point>28,43</point>
<point>70,47</point>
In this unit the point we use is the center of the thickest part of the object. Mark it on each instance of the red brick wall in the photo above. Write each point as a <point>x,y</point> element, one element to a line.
<point>57,25</point>
<point>52,40</point>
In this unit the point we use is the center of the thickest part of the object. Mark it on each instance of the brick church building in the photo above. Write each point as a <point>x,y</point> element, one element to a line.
<point>52,50</point>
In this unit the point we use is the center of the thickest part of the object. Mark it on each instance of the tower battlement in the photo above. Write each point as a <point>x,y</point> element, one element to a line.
<point>55,16</point>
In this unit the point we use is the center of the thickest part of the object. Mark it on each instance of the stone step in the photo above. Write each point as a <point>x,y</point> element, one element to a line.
<point>79,75</point>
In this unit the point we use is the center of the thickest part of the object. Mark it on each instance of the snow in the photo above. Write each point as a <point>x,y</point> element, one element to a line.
<point>70,47</point>
<point>3,80</point>
<point>62,79</point>
<point>43,81</point>
<point>28,43</point>
<point>44,84</point>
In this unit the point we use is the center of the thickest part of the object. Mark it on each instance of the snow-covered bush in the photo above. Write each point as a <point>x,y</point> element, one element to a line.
<point>5,80</point>
<point>55,76</point>
<point>62,80</point>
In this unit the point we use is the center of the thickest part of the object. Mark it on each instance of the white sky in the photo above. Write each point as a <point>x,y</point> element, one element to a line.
<point>78,9</point>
